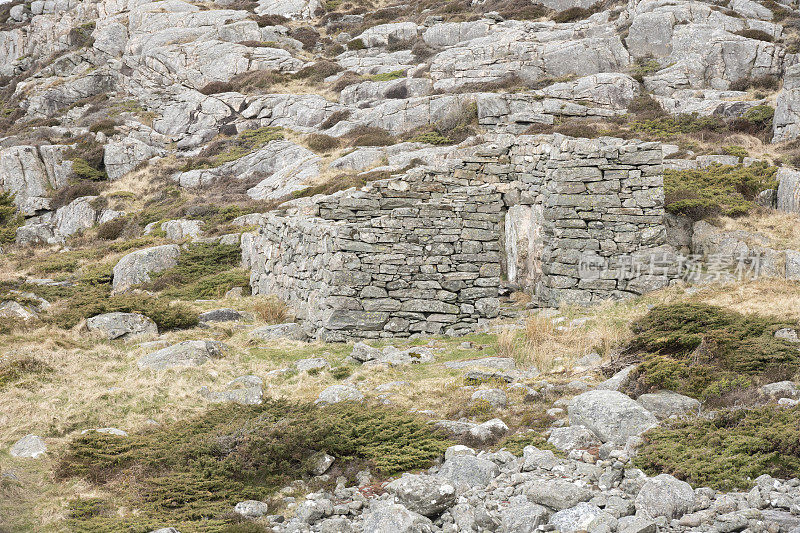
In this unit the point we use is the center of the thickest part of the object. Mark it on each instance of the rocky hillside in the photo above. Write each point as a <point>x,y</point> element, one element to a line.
<point>439,266</point>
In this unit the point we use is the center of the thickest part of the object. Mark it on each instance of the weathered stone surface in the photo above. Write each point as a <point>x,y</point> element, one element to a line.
<point>664,495</point>
<point>339,393</point>
<point>494,397</point>
<point>244,390</point>
<point>664,404</point>
<point>126,155</point>
<point>610,415</point>
<point>29,446</point>
<point>575,519</point>
<point>557,494</point>
<point>788,190</point>
<point>426,495</point>
<point>385,517</point>
<point>224,315</point>
<point>183,354</point>
<point>573,438</point>
<point>122,325</point>
<point>290,330</point>
<point>135,268</point>
<point>465,471</point>
<point>251,509</point>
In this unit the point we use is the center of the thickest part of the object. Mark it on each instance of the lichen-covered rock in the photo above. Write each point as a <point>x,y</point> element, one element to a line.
<point>465,471</point>
<point>29,446</point>
<point>573,438</point>
<point>557,494</point>
<point>664,404</point>
<point>610,415</point>
<point>251,509</point>
<point>385,517</point>
<point>183,354</point>
<point>339,393</point>
<point>126,155</point>
<point>136,267</point>
<point>664,495</point>
<point>122,325</point>
<point>788,190</point>
<point>290,330</point>
<point>426,495</point>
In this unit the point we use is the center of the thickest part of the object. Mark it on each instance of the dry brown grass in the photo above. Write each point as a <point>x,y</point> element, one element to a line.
<point>271,310</point>
<point>779,227</point>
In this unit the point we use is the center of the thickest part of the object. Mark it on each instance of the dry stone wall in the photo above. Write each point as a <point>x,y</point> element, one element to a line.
<point>428,251</point>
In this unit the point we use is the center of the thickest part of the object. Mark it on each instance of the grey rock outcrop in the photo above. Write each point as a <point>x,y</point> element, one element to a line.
<point>425,495</point>
<point>664,495</point>
<point>122,325</point>
<point>136,267</point>
<point>339,393</point>
<point>383,517</point>
<point>664,404</point>
<point>29,446</point>
<point>610,415</point>
<point>183,354</point>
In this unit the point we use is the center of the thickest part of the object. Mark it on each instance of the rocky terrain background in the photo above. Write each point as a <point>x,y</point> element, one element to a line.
<point>144,143</point>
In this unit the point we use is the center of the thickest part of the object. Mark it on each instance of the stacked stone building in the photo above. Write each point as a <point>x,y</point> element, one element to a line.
<point>429,251</point>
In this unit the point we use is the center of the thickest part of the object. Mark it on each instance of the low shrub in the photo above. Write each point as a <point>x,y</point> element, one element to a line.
<point>107,126</point>
<point>226,149</point>
<point>113,229</point>
<point>756,121</point>
<point>271,310</point>
<point>728,451</point>
<point>706,351</point>
<point>216,87</point>
<point>758,35</point>
<point>644,67</point>
<point>767,82</point>
<point>335,118</point>
<point>10,219</point>
<point>269,20</point>
<point>667,126</point>
<point>250,82</point>
<point>370,136</point>
<point>92,300</point>
<point>202,271</point>
<point>306,35</point>
<point>520,10</point>
<point>319,71</point>
<point>431,137</point>
<point>319,142</point>
<point>574,14</point>
<point>718,189</point>
<point>87,159</point>
<point>356,44</point>
<point>346,80</point>
<point>191,473</point>
<point>65,195</point>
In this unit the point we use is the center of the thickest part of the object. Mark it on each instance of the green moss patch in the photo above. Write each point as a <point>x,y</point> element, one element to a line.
<point>191,473</point>
<point>706,351</point>
<point>716,190</point>
<point>727,452</point>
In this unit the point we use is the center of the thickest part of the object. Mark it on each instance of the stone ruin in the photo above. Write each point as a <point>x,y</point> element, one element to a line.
<point>431,250</point>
